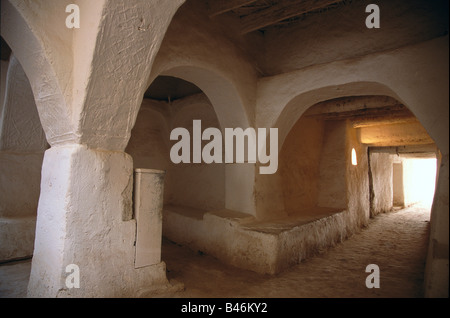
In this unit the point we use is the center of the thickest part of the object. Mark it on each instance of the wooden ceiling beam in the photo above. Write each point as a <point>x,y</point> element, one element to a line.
<point>395,135</point>
<point>381,111</point>
<point>392,110</point>
<point>353,103</point>
<point>415,151</point>
<point>394,118</point>
<point>217,7</point>
<point>282,11</point>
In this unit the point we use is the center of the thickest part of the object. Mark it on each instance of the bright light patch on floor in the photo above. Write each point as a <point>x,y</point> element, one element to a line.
<point>354,160</point>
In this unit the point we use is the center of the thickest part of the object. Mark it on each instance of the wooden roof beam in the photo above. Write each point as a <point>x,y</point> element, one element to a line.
<point>282,11</point>
<point>217,7</point>
<point>394,118</point>
<point>353,103</point>
<point>389,111</point>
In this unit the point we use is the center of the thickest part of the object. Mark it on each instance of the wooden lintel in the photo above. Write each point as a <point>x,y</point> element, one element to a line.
<point>426,150</point>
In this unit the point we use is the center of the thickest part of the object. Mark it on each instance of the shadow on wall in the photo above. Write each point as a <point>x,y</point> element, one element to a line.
<point>22,147</point>
<point>313,166</point>
<point>200,186</point>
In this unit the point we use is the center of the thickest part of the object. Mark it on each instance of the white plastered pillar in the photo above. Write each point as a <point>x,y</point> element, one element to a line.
<point>84,219</point>
<point>84,212</point>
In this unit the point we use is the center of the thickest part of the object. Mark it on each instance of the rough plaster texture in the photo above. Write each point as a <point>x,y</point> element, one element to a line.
<point>395,135</point>
<point>267,247</point>
<point>64,100</point>
<point>397,184</point>
<point>381,165</point>
<point>276,240</point>
<point>26,32</point>
<point>343,29</point>
<point>149,142</point>
<point>98,106</point>
<point>222,69</point>
<point>299,165</point>
<point>389,73</point>
<point>137,34</point>
<point>217,185</point>
<point>332,164</point>
<point>19,183</point>
<point>357,181</point>
<point>225,71</point>
<point>436,272</point>
<point>85,194</point>
<point>197,185</point>
<point>3,73</point>
<point>240,187</point>
<point>16,237</point>
<point>20,126</point>
<point>230,112</point>
<point>148,204</point>
<point>22,143</point>
<point>97,118</point>
<point>150,147</point>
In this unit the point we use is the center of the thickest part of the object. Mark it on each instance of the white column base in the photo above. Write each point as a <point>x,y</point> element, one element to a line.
<point>85,198</point>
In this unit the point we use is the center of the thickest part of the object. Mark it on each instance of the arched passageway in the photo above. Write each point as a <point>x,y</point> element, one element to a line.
<point>198,186</point>
<point>321,150</point>
<point>344,154</point>
<point>77,80</point>
<point>22,146</point>
<point>88,87</point>
<point>193,192</point>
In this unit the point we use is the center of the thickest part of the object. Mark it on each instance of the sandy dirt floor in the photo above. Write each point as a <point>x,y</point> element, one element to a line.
<point>395,241</point>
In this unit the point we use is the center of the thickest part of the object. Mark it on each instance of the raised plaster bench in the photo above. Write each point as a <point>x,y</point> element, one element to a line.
<point>264,247</point>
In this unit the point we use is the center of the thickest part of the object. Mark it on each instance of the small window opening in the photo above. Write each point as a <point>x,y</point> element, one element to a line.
<point>354,160</point>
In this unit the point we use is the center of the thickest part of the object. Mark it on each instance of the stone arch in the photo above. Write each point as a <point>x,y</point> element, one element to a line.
<point>85,123</point>
<point>231,113</point>
<point>153,124</point>
<point>393,74</point>
<point>295,106</point>
<point>22,146</point>
<point>28,47</point>
<point>150,147</point>
<point>299,104</point>
<point>20,127</point>
<point>221,92</point>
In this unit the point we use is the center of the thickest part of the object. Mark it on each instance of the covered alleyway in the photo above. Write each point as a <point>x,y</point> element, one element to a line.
<point>81,123</point>
<point>395,241</point>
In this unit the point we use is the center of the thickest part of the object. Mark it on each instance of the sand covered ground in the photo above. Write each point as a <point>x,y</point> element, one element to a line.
<point>395,241</point>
